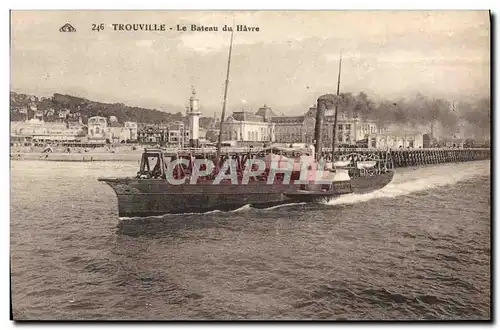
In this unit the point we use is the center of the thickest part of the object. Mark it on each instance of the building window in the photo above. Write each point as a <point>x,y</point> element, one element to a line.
<point>340,127</point>
<point>347,126</point>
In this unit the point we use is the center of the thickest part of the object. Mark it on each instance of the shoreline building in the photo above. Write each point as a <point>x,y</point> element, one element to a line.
<point>102,131</point>
<point>174,134</point>
<point>247,127</point>
<point>350,130</point>
<point>177,134</point>
<point>151,135</point>
<point>38,132</point>
<point>294,129</point>
<point>397,136</point>
<point>97,127</point>
<point>121,133</point>
<point>212,133</point>
<point>132,128</point>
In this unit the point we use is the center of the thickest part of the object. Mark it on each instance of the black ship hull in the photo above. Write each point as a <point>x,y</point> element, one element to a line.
<point>153,197</point>
<point>142,198</point>
<point>155,205</point>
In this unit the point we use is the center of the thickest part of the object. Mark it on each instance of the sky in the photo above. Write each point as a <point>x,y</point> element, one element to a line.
<point>287,64</point>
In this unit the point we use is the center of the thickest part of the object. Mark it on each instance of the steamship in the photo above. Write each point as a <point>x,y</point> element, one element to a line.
<point>170,183</point>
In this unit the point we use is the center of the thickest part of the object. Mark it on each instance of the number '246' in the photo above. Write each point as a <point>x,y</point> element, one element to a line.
<point>97,27</point>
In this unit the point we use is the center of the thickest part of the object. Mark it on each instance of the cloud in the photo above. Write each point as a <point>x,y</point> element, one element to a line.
<point>205,43</point>
<point>288,63</point>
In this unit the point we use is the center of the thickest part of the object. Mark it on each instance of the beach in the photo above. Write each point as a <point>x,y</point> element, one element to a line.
<point>120,153</point>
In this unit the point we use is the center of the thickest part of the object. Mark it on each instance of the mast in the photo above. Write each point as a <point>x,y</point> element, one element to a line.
<point>223,115</point>
<point>336,113</point>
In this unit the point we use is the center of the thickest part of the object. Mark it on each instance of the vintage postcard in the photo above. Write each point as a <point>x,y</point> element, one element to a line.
<point>250,165</point>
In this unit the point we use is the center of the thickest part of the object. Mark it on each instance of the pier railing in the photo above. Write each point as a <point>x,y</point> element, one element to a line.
<point>395,157</point>
<point>325,151</point>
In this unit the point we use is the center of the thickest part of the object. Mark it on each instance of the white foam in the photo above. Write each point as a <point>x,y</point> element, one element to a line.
<point>281,205</point>
<point>243,208</point>
<point>407,181</point>
<point>163,215</point>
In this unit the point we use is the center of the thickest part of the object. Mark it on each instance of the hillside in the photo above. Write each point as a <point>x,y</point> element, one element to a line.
<point>61,106</point>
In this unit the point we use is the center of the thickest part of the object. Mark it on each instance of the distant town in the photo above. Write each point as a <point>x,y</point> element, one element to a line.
<point>68,121</point>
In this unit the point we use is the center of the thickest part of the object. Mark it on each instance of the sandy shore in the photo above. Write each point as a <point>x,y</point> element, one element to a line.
<point>77,157</point>
<point>115,153</point>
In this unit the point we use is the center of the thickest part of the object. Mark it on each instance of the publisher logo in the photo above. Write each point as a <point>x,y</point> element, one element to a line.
<point>67,28</point>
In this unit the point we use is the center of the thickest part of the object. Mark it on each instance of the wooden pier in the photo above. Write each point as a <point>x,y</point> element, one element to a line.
<point>413,157</point>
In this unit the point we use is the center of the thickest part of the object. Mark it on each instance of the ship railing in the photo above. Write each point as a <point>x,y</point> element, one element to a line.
<point>211,150</point>
<point>231,150</point>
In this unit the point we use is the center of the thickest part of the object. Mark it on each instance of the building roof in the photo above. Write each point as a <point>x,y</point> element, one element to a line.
<point>246,116</point>
<point>265,112</point>
<point>401,130</point>
<point>347,120</point>
<point>150,129</point>
<point>401,133</point>
<point>311,112</point>
<point>175,125</point>
<point>288,119</point>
